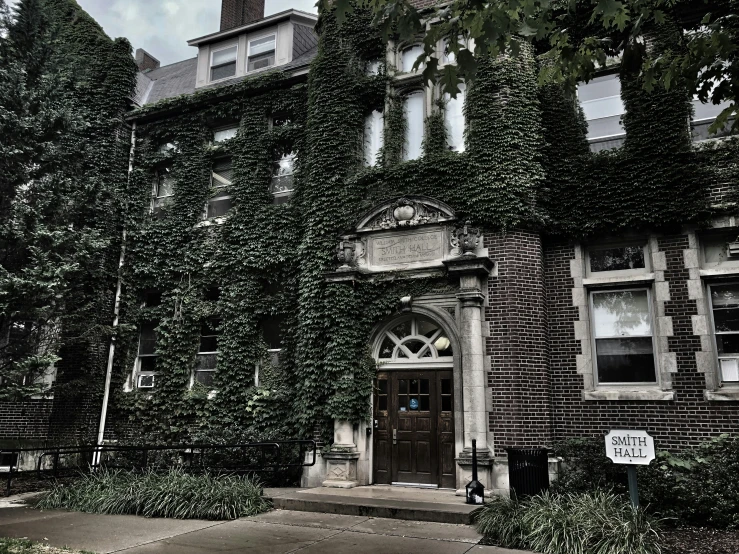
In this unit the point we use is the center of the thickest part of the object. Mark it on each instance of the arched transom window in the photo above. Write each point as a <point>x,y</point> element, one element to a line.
<point>415,340</point>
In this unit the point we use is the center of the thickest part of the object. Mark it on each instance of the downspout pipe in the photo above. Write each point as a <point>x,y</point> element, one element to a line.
<point>116,307</point>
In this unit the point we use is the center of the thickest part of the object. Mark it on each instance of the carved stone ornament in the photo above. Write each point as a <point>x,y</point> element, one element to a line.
<point>467,239</point>
<point>405,304</point>
<point>410,211</point>
<point>345,254</point>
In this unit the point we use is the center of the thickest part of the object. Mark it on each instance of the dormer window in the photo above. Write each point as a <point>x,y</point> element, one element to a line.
<point>223,63</point>
<point>261,53</point>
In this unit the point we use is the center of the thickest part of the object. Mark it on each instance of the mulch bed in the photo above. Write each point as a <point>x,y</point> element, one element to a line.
<point>700,540</point>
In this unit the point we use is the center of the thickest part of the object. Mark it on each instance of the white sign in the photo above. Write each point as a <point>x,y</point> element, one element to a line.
<point>629,447</point>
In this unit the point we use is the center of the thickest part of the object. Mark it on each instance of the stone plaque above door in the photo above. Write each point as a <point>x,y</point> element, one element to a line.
<point>410,236</point>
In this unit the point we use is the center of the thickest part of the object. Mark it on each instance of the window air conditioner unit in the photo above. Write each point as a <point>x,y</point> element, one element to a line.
<point>733,249</point>
<point>146,381</point>
<point>261,63</point>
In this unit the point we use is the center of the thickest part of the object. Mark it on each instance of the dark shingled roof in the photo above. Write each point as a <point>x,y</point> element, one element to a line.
<point>179,78</point>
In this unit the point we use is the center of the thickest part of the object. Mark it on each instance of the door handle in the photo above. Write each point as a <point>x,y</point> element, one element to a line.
<point>395,436</point>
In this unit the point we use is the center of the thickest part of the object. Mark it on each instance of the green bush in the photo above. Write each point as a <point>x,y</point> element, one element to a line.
<point>697,486</point>
<point>584,523</point>
<point>173,494</point>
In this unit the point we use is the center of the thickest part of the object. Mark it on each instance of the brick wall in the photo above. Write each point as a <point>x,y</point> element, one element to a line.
<point>235,13</point>
<point>687,420</point>
<point>517,343</point>
<point>27,421</point>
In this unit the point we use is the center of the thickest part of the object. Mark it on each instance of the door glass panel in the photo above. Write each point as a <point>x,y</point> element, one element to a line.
<point>446,403</point>
<point>414,386</point>
<point>382,395</point>
<point>424,386</point>
<point>403,386</point>
<point>425,403</point>
<point>446,395</point>
<point>446,386</point>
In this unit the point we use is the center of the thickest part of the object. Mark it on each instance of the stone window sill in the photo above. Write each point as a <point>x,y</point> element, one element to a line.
<point>629,394</point>
<point>618,280</point>
<point>731,270</point>
<point>722,395</point>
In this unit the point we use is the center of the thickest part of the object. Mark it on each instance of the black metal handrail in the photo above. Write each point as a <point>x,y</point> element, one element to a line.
<point>238,458</point>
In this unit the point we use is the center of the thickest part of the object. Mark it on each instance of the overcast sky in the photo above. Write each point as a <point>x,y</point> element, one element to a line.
<point>163,27</point>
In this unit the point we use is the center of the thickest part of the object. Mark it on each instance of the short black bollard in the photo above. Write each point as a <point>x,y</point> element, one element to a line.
<point>475,489</point>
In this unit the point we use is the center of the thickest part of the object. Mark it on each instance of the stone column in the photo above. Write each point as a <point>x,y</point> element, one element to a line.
<point>472,272</point>
<point>341,461</point>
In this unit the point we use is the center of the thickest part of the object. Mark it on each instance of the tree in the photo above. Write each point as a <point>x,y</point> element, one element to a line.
<point>576,37</point>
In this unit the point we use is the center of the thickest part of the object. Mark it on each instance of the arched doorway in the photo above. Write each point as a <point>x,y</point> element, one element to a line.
<point>414,404</point>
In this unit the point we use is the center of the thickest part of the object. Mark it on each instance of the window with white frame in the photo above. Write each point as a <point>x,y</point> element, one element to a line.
<point>223,63</point>
<point>282,176</point>
<point>373,67</point>
<point>207,358</point>
<point>373,136</point>
<point>261,53</point>
<point>221,184</point>
<point>623,346</point>
<point>408,57</point>
<point>167,147</point>
<point>614,260</point>
<point>454,119</point>
<point>224,134</point>
<point>147,356</point>
<point>601,103</point>
<point>720,251</point>
<point>725,312</point>
<point>163,190</point>
<point>413,113</point>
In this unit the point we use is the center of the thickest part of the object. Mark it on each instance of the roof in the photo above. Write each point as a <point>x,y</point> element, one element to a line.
<point>254,25</point>
<point>179,78</point>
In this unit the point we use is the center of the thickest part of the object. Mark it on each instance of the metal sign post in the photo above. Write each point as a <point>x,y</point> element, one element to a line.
<point>631,448</point>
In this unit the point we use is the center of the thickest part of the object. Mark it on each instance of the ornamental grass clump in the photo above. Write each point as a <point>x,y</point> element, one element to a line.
<point>590,523</point>
<point>174,494</point>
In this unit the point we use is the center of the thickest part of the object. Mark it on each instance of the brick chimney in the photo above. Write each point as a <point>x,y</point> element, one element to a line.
<point>145,61</point>
<point>235,13</point>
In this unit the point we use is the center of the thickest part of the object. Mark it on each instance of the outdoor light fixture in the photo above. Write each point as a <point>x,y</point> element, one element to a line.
<point>442,343</point>
<point>475,489</point>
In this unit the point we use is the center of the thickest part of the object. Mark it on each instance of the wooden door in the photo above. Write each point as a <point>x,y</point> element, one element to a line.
<point>414,428</point>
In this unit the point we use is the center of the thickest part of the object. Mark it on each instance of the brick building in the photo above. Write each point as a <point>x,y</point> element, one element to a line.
<point>525,335</point>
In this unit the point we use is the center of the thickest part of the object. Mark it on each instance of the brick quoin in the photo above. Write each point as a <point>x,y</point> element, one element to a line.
<point>684,422</point>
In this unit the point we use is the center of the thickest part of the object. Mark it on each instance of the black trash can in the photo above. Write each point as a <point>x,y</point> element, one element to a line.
<point>528,470</point>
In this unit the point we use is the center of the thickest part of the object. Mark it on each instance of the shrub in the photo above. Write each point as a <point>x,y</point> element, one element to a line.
<point>697,486</point>
<point>584,523</point>
<point>173,494</point>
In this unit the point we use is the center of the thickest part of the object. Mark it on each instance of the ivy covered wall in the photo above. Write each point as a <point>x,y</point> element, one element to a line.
<point>527,166</point>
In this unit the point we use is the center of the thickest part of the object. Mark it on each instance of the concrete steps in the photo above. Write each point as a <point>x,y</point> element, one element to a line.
<point>376,502</point>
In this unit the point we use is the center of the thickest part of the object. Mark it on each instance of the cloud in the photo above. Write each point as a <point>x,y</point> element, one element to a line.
<point>163,27</point>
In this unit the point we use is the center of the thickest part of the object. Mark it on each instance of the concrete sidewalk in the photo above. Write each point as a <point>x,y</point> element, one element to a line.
<point>276,532</point>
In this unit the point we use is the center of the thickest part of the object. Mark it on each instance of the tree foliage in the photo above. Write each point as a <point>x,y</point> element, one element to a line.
<point>576,38</point>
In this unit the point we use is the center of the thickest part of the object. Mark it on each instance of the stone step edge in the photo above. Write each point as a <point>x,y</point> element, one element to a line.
<point>420,511</point>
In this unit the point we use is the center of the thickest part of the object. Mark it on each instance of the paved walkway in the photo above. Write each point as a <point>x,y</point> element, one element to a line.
<point>276,532</point>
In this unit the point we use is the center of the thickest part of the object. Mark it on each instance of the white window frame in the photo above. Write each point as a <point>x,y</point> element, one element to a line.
<point>250,39</point>
<point>213,51</point>
<point>446,99</point>
<point>718,356</point>
<point>234,127</point>
<point>618,272</point>
<point>404,97</point>
<point>371,118</point>
<point>158,201</point>
<point>138,372</point>
<point>284,193</point>
<point>630,384</point>
<point>205,353</point>
<point>214,186</point>
<point>602,138</point>
<point>729,263</point>
<point>401,65</point>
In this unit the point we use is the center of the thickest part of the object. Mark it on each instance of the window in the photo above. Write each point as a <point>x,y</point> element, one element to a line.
<point>408,57</point>
<point>221,135</point>
<point>415,339</point>
<point>207,359</point>
<point>607,261</point>
<point>413,107</point>
<point>221,180</point>
<point>167,147</point>
<point>373,67</point>
<point>272,331</point>
<point>280,119</point>
<point>282,176</point>
<point>152,298</point>
<point>147,358</point>
<point>622,335</point>
<point>725,310</point>
<point>454,119</point>
<point>261,53</point>
<point>720,251</point>
<point>223,63</point>
<point>163,190</point>
<point>601,102</point>
<point>373,135</point>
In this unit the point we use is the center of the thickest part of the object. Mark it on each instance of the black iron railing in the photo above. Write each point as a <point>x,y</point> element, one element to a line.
<point>258,458</point>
